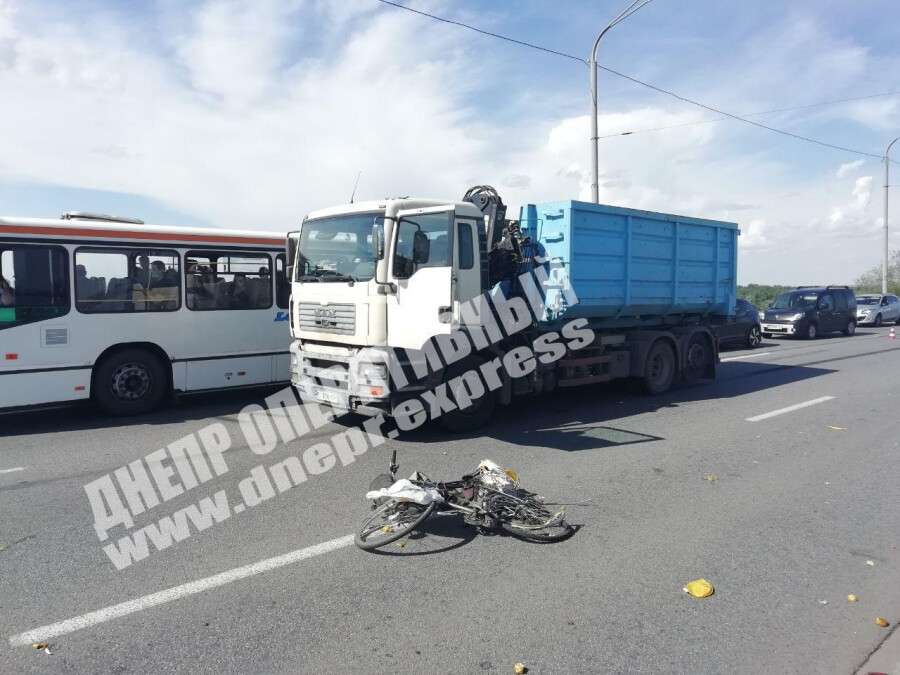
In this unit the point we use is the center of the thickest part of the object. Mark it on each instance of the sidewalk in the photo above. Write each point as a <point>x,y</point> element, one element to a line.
<point>885,659</point>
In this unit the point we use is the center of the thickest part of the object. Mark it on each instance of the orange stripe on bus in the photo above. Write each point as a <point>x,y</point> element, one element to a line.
<point>132,234</point>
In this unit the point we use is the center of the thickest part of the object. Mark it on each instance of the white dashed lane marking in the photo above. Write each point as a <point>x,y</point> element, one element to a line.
<point>176,593</point>
<point>745,356</point>
<point>790,408</point>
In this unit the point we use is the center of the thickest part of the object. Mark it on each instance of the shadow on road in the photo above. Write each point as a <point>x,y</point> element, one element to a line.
<point>84,416</point>
<point>569,419</point>
<point>439,534</point>
<point>579,418</point>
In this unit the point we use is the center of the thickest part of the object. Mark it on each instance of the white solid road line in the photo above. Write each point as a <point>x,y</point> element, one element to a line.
<point>176,593</point>
<point>745,356</point>
<point>13,470</point>
<point>790,408</point>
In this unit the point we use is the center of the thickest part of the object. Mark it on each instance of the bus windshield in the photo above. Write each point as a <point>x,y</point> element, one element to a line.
<point>338,248</point>
<point>795,301</point>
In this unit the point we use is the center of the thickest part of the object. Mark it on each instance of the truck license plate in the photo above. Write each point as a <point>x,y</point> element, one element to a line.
<point>326,396</point>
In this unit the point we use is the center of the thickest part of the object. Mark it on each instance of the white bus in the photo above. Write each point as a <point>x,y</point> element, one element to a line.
<point>126,314</point>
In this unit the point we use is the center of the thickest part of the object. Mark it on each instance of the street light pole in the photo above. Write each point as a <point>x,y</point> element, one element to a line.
<point>887,181</point>
<point>592,63</point>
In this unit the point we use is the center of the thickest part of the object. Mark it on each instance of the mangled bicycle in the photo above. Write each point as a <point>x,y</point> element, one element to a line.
<point>490,499</point>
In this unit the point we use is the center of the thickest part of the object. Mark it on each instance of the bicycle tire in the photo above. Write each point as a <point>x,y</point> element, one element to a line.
<point>361,536</point>
<point>562,530</point>
<point>521,513</point>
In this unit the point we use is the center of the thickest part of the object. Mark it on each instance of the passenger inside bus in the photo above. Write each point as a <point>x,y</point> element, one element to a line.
<point>142,274</point>
<point>90,291</point>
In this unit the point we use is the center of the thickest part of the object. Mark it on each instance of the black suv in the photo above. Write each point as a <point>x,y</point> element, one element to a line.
<point>810,311</point>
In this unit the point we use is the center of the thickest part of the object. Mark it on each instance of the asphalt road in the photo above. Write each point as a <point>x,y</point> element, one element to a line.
<point>803,511</point>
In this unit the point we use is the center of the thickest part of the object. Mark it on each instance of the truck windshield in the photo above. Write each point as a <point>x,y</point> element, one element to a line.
<point>795,301</point>
<point>338,248</point>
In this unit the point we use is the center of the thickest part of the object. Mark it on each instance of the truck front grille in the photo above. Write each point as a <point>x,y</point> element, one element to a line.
<point>332,318</point>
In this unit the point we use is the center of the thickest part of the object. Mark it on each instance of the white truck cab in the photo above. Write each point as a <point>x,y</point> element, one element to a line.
<point>373,276</point>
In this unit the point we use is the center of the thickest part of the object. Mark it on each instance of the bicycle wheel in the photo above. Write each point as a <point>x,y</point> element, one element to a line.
<point>391,521</point>
<point>523,515</point>
<point>545,531</point>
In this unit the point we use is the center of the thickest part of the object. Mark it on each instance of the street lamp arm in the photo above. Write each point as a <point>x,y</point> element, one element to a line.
<point>887,152</point>
<point>624,14</point>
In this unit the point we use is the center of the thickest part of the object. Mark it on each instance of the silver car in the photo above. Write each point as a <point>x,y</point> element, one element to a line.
<point>877,309</point>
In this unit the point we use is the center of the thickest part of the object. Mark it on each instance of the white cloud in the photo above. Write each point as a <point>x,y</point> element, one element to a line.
<point>236,47</point>
<point>882,114</point>
<point>251,114</point>
<point>849,167</point>
<point>242,140</point>
<point>852,218</point>
<point>753,235</point>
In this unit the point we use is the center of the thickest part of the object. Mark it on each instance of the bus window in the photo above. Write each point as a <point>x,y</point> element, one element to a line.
<point>126,280</point>
<point>111,280</point>
<point>34,283</point>
<point>282,285</point>
<point>228,280</point>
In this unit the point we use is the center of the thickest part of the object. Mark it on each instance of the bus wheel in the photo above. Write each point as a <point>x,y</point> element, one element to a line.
<point>129,382</point>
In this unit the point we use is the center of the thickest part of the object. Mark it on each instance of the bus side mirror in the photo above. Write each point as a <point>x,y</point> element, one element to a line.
<point>421,247</point>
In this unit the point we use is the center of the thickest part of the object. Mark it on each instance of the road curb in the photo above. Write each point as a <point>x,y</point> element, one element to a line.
<point>886,658</point>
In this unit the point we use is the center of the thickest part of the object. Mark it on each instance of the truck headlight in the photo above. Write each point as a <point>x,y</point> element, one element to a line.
<point>373,371</point>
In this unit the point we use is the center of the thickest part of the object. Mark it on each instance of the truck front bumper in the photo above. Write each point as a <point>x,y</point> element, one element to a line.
<point>339,378</point>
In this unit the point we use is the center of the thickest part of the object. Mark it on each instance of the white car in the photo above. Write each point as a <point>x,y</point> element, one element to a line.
<point>877,309</point>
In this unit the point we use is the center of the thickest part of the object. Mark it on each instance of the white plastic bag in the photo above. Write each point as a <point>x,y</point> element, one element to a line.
<point>406,491</point>
<point>492,475</point>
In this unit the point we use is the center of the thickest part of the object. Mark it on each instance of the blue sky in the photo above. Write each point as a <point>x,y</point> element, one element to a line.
<point>249,114</point>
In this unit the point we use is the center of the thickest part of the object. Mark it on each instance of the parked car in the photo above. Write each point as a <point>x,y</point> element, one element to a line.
<point>877,309</point>
<point>810,311</point>
<point>743,327</point>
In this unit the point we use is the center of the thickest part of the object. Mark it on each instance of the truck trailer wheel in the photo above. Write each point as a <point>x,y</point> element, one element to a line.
<point>129,382</point>
<point>659,368</point>
<point>699,358</point>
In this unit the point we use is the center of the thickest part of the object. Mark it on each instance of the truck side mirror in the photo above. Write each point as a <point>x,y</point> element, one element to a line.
<point>293,239</point>
<point>378,241</point>
<point>421,247</point>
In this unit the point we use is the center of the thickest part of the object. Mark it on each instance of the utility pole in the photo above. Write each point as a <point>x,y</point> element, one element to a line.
<point>887,182</point>
<point>592,63</point>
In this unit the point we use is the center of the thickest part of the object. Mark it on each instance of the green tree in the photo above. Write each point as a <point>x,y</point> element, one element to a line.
<point>761,295</point>
<point>870,281</point>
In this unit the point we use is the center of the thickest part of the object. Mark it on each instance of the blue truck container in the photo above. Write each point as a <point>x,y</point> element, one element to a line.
<point>633,268</point>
